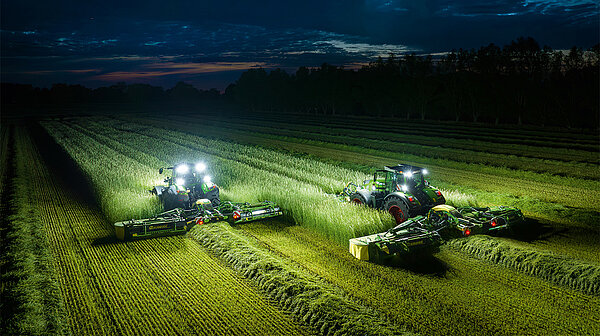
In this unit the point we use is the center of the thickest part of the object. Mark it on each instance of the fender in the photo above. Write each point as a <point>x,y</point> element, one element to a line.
<point>158,190</point>
<point>367,196</point>
<point>400,195</point>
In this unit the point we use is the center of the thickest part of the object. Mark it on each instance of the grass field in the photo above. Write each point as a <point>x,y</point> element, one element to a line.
<point>294,275</point>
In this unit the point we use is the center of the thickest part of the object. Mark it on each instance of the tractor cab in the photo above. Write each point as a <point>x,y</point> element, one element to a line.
<point>188,183</point>
<point>401,190</point>
<point>410,180</point>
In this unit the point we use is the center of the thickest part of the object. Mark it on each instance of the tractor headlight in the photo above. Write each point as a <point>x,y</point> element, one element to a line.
<point>182,169</point>
<point>200,167</point>
<point>180,181</point>
<point>424,171</point>
<point>206,179</point>
<point>404,187</point>
<point>408,174</point>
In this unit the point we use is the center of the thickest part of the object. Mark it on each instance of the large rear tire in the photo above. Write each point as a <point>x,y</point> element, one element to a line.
<point>397,208</point>
<point>358,199</point>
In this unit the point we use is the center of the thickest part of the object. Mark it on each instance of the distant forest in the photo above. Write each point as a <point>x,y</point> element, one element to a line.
<point>519,83</point>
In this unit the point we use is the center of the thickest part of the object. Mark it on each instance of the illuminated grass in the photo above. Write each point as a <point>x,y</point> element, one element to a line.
<point>317,303</point>
<point>452,294</point>
<point>544,264</point>
<point>168,286</point>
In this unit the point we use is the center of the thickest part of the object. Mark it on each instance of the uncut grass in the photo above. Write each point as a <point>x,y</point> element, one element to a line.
<point>511,155</point>
<point>546,188</point>
<point>317,303</point>
<point>168,286</point>
<point>338,221</point>
<point>299,205</point>
<point>455,295</point>
<point>517,135</point>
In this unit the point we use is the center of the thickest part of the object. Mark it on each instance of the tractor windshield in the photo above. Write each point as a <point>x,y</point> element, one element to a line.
<point>416,180</point>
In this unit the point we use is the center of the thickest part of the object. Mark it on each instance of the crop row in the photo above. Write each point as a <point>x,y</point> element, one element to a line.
<point>244,181</point>
<point>452,294</point>
<point>567,200</point>
<point>544,264</point>
<point>169,285</point>
<point>31,302</point>
<point>323,306</point>
<point>482,151</point>
<point>262,160</point>
<point>560,138</point>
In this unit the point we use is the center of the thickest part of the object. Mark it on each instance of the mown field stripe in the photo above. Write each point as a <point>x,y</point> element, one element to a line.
<point>321,305</point>
<point>131,286</point>
<point>457,295</point>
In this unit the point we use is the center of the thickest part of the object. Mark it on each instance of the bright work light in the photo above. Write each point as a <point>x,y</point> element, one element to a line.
<point>424,171</point>
<point>408,174</point>
<point>404,187</point>
<point>200,166</point>
<point>182,169</point>
<point>180,181</point>
<point>206,179</point>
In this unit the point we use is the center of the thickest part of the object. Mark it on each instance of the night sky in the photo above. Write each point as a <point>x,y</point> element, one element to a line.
<point>209,43</point>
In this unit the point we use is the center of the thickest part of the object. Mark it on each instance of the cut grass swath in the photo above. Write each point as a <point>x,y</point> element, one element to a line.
<point>324,307</point>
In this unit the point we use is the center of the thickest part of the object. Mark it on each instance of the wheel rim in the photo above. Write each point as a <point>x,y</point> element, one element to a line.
<point>397,213</point>
<point>357,201</point>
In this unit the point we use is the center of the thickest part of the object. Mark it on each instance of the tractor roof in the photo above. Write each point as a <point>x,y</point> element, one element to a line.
<point>400,168</point>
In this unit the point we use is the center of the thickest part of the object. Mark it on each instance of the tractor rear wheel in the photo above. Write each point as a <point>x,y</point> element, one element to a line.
<point>397,208</point>
<point>357,199</point>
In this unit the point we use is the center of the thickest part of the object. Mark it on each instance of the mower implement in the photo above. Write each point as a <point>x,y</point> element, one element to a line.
<point>407,238</point>
<point>179,220</point>
<point>465,221</point>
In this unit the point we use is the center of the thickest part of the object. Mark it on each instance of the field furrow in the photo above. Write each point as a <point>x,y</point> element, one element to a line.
<point>164,286</point>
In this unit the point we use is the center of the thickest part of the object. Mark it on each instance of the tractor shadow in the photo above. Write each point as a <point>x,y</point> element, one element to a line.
<point>420,264</point>
<point>534,230</point>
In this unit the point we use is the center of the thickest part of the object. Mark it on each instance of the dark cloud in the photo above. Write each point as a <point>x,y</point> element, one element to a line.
<point>87,41</point>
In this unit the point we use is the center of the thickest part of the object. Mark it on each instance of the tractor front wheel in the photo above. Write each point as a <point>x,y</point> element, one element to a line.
<point>357,199</point>
<point>397,208</point>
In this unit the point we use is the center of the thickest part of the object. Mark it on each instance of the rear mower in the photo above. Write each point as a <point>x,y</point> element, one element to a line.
<point>423,234</point>
<point>401,190</point>
<point>464,221</point>
<point>179,220</point>
<point>187,184</point>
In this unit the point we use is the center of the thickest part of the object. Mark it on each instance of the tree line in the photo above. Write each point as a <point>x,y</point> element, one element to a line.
<point>518,83</point>
<point>118,96</point>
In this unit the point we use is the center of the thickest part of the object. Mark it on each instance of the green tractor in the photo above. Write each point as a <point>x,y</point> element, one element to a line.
<point>185,186</point>
<point>401,190</point>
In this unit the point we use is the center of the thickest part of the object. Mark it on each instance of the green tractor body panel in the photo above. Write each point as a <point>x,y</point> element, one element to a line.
<point>179,220</point>
<point>401,190</point>
<point>405,239</point>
